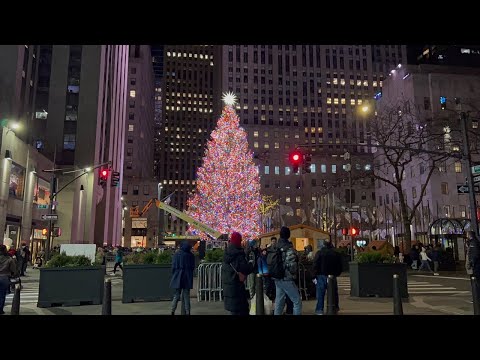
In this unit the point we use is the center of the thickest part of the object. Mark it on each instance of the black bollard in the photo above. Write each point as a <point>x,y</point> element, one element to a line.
<point>331,295</point>
<point>260,306</point>
<point>475,295</point>
<point>16,300</point>
<point>397,298</point>
<point>107,298</point>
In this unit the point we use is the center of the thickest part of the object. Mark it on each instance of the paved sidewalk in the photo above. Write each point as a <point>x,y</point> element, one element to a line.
<point>416,305</point>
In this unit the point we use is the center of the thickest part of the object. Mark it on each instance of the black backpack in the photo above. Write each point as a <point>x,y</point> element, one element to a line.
<point>275,265</point>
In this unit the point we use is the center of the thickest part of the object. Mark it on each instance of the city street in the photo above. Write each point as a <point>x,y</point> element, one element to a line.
<point>447,294</point>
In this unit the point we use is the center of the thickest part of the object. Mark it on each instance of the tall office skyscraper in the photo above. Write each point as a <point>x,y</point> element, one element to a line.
<point>80,117</point>
<point>157,60</point>
<point>140,114</point>
<point>18,81</point>
<point>190,105</point>
<point>288,95</point>
<point>316,95</point>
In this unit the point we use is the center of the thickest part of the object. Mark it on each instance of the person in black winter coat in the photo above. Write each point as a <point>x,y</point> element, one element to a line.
<point>327,262</point>
<point>235,269</point>
<point>183,266</point>
<point>414,256</point>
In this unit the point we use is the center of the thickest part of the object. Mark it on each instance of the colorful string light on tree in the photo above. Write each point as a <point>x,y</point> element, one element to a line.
<point>227,195</point>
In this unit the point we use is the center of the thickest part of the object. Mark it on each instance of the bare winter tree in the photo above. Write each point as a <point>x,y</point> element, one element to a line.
<point>402,137</point>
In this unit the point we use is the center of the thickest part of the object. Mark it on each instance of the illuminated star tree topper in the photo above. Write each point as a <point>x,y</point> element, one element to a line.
<point>227,195</point>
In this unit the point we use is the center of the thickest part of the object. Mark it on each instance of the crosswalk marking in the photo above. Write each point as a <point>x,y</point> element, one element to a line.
<point>414,288</point>
<point>27,296</point>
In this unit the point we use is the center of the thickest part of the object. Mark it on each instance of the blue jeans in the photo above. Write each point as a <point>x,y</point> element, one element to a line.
<point>262,265</point>
<point>185,295</point>
<point>4,286</point>
<point>424,265</point>
<point>322,282</point>
<point>290,289</point>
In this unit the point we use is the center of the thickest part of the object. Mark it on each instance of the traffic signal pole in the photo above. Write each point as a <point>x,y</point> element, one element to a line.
<point>53,196</point>
<point>467,158</point>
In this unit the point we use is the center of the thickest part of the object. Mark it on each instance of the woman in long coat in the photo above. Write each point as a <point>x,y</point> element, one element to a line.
<point>183,266</point>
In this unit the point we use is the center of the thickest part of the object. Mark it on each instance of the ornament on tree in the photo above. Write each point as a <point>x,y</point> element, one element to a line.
<point>227,196</point>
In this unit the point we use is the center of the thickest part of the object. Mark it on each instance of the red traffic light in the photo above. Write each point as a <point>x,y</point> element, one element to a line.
<point>353,231</point>
<point>295,157</point>
<point>104,172</point>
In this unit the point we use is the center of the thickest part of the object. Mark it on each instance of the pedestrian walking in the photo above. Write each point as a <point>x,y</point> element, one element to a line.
<point>436,259</point>
<point>26,258</point>
<point>8,269</point>
<point>183,266</point>
<point>327,262</point>
<point>424,258</point>
<point>118,260</point>
<point>235,269</point>
<point>414,256</point>
<point>283,266</point>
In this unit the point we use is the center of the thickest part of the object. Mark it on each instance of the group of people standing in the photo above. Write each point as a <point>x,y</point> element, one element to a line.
<point>238,265</point>
<point>279,266</point>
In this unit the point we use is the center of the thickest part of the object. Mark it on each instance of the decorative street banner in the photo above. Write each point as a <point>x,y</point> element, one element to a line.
<point>42,192</point>
<point>17,181</point>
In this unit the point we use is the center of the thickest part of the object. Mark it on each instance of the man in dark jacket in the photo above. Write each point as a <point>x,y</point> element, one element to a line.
<point>327,262</point>
<point>26,258</point>
<point>414,256</point>
<point>183,266</point>
<point>286,286</point>
<point>235,269</point>
<point>435,256</point>
<point>8,269</point>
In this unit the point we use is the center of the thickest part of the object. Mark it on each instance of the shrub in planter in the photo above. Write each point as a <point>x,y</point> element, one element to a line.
<point>70,280</point>
<point>214,255</point>
<point>146,277</point>
<point>374,257</point>
<point>63,260</point>
<point>372,275</point>
<point>165,257</point>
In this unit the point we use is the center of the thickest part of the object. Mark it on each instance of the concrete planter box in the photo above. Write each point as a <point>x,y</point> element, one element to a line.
<point>376,279</point>
<point>146,283</point>
<point>71,286</point>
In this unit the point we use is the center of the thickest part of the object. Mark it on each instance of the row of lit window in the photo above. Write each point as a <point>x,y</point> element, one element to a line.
<point>181,129</point>
<point>185,95</point>
<point>189,55</point>
<point>183,108</point>
<point>200,102</point>
<point>313,169</point>
<point>179,182</point>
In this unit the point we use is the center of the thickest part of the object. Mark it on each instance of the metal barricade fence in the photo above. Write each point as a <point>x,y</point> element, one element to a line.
<point>210,282</point>
<point>302,282</point>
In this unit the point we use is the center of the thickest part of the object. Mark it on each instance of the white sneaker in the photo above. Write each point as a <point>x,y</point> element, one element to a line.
<point>436,274</point>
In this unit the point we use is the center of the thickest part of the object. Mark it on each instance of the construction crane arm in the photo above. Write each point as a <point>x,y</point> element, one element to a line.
<point>180,214</point>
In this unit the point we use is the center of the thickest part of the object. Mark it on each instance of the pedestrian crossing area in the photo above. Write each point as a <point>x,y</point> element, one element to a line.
<point>28,295</point>
<point>414,288</point>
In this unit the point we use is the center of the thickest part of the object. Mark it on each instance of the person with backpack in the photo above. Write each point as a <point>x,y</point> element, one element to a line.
<point>327,262</point>
<point>235,269</point>
<point>282,263</point>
